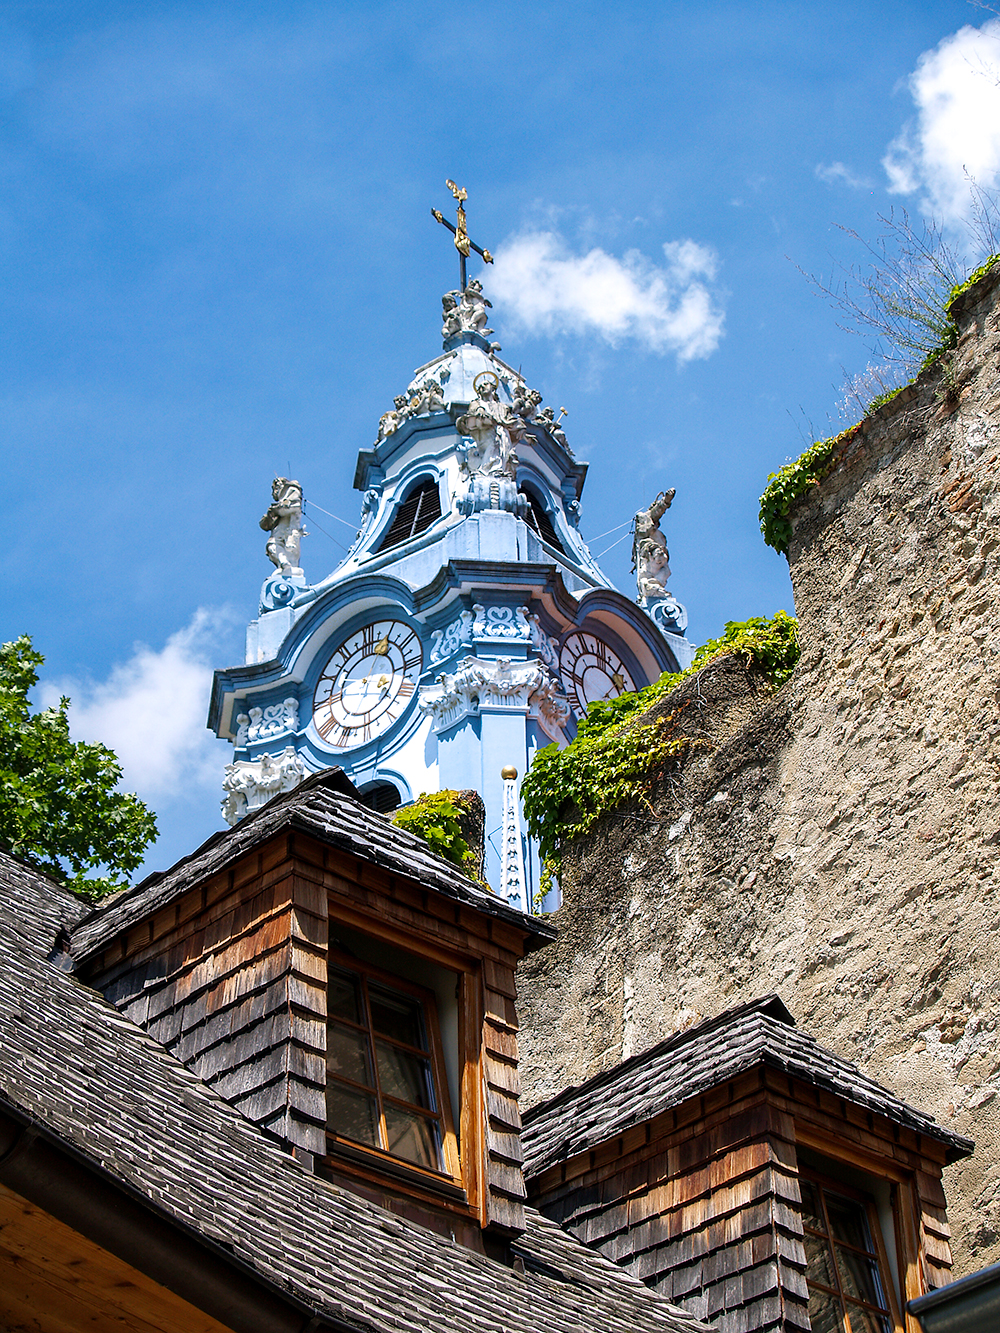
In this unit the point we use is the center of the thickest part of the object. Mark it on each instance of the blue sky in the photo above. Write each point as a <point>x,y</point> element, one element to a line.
<point>219,263</point>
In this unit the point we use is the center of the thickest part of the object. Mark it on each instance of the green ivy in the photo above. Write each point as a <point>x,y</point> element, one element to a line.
<point>618,756</point>
<point>970,281</point>
<point>566,791</point>
<point>792,482</point>
<point>795,479</point>
<point>436,818</point>
<point>881,399</point>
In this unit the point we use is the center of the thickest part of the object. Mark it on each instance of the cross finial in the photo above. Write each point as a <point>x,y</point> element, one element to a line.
<point>463,244</point>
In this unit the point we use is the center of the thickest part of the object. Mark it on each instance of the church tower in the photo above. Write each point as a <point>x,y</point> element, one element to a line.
<point>467,626</point>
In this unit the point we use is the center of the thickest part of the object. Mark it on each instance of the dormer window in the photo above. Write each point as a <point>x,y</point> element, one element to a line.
<point>352,994</point>
<point>415,514</point>
<point>845,1258</point>
<point>385,1076</point>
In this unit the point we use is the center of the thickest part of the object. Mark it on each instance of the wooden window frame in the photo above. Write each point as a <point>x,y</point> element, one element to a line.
<point>401,1167</point>
<point>829,1184</point>
<point>905,1204</point>
<point>468,1197</point>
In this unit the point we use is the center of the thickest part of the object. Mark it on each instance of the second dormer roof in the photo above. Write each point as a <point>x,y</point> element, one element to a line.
<point>689,1064</point>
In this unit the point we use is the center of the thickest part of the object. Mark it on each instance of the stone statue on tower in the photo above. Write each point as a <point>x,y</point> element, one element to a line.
<point>283,521</point>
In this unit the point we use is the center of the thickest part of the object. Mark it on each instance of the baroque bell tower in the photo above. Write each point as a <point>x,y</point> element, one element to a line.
<point>468,625</point>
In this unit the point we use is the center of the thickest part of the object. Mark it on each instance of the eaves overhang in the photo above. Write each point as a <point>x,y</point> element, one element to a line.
<point>58,1178</point>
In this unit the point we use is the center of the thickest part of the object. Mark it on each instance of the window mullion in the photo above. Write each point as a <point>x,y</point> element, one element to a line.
<point>382,1131</point>
<point>831,1241</point>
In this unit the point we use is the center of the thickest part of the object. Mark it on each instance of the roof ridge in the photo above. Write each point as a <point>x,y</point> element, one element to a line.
<point>770,1005</point>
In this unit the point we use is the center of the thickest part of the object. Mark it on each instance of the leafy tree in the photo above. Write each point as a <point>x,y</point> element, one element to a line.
<point>59,809</point>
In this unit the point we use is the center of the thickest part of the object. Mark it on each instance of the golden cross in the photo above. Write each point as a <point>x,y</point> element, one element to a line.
<point>463,244</point>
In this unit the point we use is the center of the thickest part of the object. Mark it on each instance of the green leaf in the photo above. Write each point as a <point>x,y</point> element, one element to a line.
<point>60,809</point>
<point>619,754</point>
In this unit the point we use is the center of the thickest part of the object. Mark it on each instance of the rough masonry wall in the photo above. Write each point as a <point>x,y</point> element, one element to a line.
<point>837,842</point>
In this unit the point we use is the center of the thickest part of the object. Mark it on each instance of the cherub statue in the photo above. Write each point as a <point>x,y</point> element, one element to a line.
<point>472,310</point>
<point>283,521</point>
<point>494,427</point>
<point>547,418</point>
<point>650,557</point>
<point>450,315</point>
<point>426,398</point>
<point>526,402</point>
<point>390,422</point>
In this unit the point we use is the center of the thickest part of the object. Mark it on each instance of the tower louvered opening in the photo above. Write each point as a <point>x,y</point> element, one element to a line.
<point>414,515</point>
<point>538,520</point>
<point>382,797</point>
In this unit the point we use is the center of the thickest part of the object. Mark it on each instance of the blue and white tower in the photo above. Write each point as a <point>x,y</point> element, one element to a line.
<point>467,626</point>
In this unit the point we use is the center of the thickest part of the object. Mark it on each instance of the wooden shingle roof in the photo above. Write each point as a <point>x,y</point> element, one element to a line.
<point>692,1062</point>
<point>325,807</point>
<point>84,1077</point>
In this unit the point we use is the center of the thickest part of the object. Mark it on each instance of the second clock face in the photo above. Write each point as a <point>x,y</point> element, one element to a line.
<point>591,670</point>
<point>367,683</point>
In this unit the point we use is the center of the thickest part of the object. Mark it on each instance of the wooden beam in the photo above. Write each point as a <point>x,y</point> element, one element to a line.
<point>54,1280</point>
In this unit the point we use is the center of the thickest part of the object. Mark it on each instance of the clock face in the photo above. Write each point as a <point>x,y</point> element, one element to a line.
<point>367,683</point>
<point>591,670</point>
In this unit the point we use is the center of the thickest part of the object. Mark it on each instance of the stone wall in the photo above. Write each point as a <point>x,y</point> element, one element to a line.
<point>836,842</point>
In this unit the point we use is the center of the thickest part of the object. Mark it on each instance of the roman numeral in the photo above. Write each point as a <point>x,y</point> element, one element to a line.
<point>368,640</point>
<point>327,725</point>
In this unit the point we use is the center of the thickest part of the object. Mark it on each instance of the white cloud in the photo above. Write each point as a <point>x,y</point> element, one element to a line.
<point>151,711</point>
<point>667,308</point>
<point>838,173</point>
<point>956,134</point>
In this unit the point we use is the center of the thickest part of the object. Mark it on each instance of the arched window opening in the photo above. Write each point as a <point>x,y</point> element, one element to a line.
<point>383,797</point>
<point>538,520</point>
<point>414,515</point>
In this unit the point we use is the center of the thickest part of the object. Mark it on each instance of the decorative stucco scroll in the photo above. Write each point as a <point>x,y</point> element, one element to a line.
<point>479,683</point>
<point>249,784</point>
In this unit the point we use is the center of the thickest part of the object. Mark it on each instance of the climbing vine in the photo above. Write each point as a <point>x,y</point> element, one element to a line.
<point>789,483</point>
<point>435,817</point>
<point>795,479</point>
<point>567,791</point>
<point>619,755</point>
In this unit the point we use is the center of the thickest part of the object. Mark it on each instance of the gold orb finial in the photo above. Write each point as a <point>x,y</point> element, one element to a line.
<point>508,772</point>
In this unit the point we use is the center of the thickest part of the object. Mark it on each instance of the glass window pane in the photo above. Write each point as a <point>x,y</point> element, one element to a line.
<point>352,1114</point>
<point>405,1076</point>
<point>819,1261</point>
<point>413,1137</point>
<point>860,1277</point>
<point>342,997</point>
<point>397,1016</point>
<point>848,1221</point>
<point>867,1321</point>
<point>812,1213</point>
<point>347,1054</point>
<point>824,1312</point>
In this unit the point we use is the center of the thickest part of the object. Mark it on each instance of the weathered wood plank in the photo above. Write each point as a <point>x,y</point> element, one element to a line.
<point>499,978</point>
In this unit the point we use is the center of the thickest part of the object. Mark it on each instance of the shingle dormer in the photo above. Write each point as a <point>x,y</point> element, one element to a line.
<point>345,989</point>
<point>752,1177</point>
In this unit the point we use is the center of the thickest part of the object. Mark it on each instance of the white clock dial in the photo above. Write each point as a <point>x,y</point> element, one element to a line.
<point>366,684</point>
<point>591,670</point>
